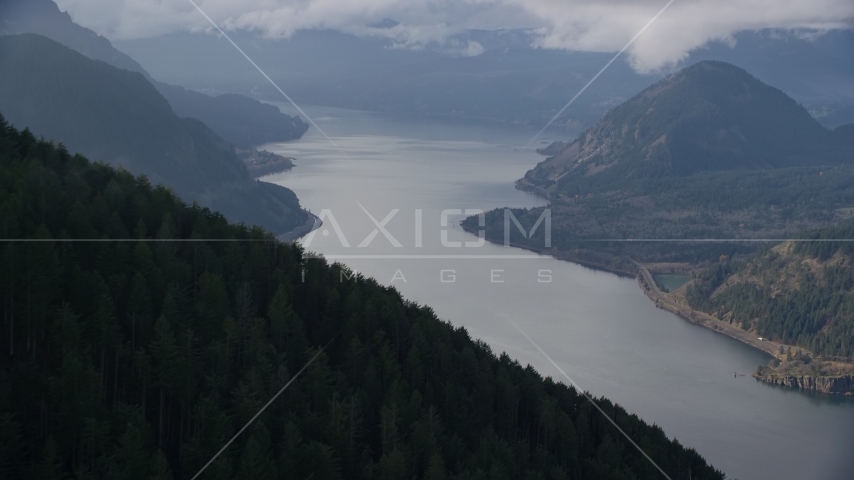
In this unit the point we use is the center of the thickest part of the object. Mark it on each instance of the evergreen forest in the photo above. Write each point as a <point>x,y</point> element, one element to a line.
<point>139,334</point>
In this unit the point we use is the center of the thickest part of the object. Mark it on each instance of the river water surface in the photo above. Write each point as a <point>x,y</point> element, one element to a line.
<point>600,328</point>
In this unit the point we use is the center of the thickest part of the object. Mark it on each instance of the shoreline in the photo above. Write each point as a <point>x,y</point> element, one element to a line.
<point>265,170</point>
<point>563,256</point>
<point>646,282</point>
<point>837,385</point>
<point>827,384</point>
<point>311,224</point>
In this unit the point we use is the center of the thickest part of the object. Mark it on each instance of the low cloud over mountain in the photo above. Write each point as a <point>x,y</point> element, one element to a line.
<point>581,26</point>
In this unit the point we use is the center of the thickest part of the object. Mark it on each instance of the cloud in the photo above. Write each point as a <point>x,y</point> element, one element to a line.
<point>459,48</point>
<point>587,25</point>
<point>683,27</point>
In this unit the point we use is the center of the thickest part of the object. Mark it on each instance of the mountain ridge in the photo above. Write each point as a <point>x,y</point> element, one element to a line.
<point>707,153</point>
<point>707,117</point>
<point>241,120</point>
<point>511,81</point>
<point>117,116</point>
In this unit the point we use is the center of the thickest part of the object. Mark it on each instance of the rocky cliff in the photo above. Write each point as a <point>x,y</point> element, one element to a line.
<point>841,385</point>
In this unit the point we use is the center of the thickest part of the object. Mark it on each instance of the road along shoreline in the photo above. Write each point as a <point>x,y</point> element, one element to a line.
<point>838,384</point>
<point>311,224</point>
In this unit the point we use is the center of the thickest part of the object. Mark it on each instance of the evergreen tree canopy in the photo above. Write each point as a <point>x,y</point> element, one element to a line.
<point>139,334</point>
<point>800,292</point>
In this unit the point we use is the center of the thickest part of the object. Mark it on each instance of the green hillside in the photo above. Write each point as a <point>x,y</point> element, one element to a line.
<point>140,359</point>
<point>799,292</point>
<point>119,117</point>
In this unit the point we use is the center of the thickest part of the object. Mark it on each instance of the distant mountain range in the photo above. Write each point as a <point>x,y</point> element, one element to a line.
<point>712,116</point>
<point>510,81</point>
<point>242,121</point>
<point>117,116</point>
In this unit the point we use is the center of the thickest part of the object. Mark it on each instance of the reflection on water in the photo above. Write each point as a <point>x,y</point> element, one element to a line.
<point>599,327</point>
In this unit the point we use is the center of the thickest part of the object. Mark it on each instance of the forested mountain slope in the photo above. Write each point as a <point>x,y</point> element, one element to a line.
<point>711,116</point>
<point>707,153</point>
<point>140,359</point>
<point>118,116</point>
<point>240,120</point>
<point>800,292</point>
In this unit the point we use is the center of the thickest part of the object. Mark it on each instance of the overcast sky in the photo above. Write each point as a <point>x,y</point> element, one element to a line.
<point>591,25</point>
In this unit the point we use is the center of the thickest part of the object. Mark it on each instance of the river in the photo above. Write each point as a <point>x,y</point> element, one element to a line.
<point>385,187</point>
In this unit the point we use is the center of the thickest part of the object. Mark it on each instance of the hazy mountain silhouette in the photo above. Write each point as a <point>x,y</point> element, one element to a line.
<point>117,116</point>
<point>241,120</point>
<point>511,80</point>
